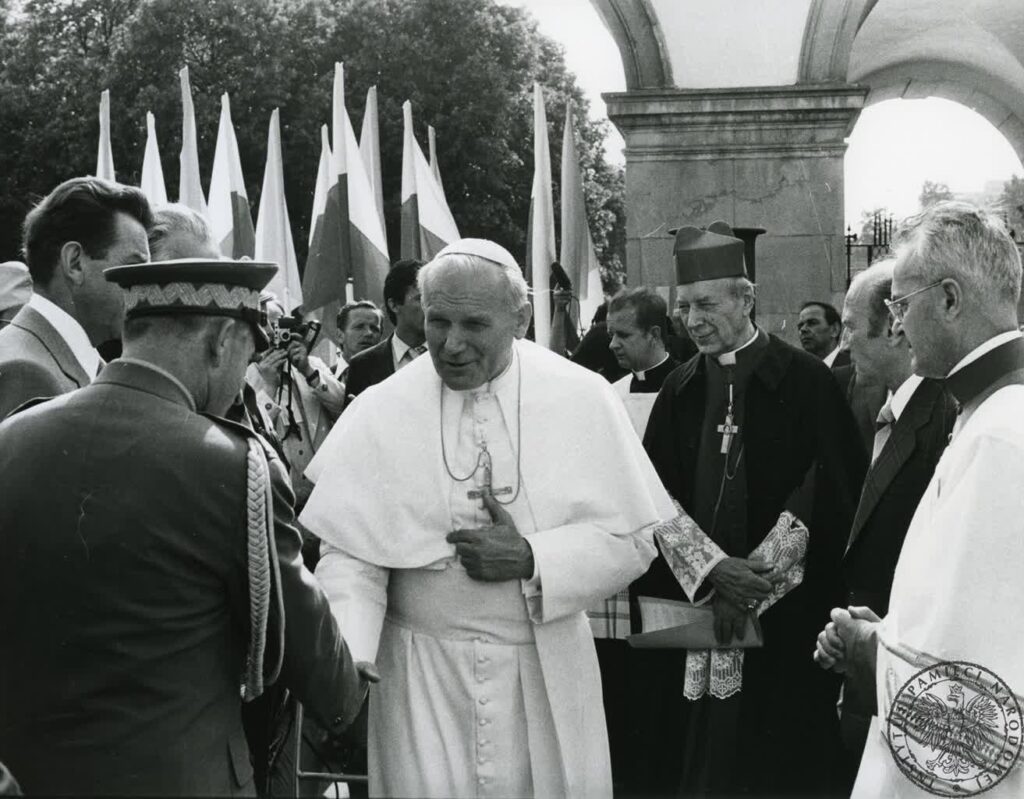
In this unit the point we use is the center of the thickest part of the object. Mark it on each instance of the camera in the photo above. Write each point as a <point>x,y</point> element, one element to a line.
<point>289,329</point>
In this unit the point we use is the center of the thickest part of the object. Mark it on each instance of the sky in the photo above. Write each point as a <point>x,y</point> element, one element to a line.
<point>895,146</point>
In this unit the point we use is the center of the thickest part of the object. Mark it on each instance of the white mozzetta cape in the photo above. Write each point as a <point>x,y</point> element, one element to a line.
<point>382,497</point>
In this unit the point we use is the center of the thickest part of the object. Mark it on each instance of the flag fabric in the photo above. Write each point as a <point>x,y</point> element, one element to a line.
<point>105,155</point>
<point>434,168</point>
<point>540,250</point>
<point>230,219</point>
<point>577,254</point>
<point>427,224</point>
<point>348,237</point>
<point>273,228</point>
<point>190,188</point>
<point>152,184</point>
<point>369,148</point>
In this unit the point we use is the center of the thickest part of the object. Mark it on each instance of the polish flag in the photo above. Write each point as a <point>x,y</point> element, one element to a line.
<point>273,228</point>
<point>152,184</point>
<point>190,188</point>
<point>427,224</point>
<point>230,219</point>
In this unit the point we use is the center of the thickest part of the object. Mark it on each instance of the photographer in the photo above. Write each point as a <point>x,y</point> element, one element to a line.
<point>296,391</point>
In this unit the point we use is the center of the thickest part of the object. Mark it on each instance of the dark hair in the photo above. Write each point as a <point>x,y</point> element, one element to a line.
<point>82,210</point>
<point>831,314</point>
<point>349,307</point>
<point>651,308</point>
<point>401,277</point>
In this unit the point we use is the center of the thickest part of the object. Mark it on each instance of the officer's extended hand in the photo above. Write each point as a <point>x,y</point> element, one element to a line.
<point>743,581</point>
<point>495,553</point>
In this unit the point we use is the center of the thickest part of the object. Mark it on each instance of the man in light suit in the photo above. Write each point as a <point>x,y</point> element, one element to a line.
<point>402,304</point>
<point>82,227</point>
<point>912,432</point>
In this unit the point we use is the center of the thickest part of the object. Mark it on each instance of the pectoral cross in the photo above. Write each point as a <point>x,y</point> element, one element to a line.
<point>487,489</point>
<point>728,429</point>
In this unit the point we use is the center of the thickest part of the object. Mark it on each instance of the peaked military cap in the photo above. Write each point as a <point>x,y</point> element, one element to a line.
<point>707,253</point>
<point>197,286</point>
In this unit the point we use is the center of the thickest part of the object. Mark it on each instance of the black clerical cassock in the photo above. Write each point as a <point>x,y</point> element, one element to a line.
<point>797,440</point>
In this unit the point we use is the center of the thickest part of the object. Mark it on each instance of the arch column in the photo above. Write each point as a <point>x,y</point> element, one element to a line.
<point>768,157</point>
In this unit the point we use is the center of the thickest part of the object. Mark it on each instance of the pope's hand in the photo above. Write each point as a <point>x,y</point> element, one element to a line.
<point>743,581</point>
<point>730,619</point>
<point>494,553</point>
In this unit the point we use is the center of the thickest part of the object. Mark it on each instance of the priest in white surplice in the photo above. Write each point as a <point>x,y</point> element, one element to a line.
<point>471,508</point>
<point>948,658</point>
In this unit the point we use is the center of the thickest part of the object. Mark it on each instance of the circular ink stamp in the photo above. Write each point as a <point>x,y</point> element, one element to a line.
<point>954,729</point>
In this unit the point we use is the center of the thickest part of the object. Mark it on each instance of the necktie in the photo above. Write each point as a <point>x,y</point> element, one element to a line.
<point>883,429</point>
<point>413,353</point>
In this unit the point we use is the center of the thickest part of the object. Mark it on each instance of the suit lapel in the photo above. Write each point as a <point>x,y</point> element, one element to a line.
<point>897,451</point>
<point>35,324</point>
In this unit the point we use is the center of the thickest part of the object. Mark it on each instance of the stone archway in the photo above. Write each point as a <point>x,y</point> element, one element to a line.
<point>758,138</point>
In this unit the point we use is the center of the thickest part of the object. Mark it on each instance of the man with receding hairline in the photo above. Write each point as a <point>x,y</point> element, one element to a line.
<point>519,496</point>
<point>80,228</point>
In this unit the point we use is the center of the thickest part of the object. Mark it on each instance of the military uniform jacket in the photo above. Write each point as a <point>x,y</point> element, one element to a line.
<point>124,603</point>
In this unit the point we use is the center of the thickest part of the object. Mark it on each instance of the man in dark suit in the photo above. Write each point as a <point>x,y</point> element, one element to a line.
<point>83,226</point>
<point>151,568</point>
<point>402,303</point>
<point>821,332</point>
<point>912,433</point>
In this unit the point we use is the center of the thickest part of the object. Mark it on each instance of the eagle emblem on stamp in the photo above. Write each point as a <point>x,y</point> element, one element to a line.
<point>954,729</point>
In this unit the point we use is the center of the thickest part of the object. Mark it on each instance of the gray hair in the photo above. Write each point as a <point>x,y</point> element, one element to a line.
<point>741,286</point>
<point>876,284</point>
<point>177,218</point>
<point>517,292</point>
<point>958,240</point>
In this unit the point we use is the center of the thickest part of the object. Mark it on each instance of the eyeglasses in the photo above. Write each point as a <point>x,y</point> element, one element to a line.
<point>898,307</point>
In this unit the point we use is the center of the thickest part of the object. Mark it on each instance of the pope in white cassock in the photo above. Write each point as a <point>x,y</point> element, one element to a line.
<point>497,491</point>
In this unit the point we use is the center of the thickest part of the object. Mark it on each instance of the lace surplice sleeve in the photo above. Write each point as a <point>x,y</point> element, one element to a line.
<point>690,553</point>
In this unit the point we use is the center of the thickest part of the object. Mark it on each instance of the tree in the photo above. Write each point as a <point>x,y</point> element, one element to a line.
<point>932,193</point>
<point>468,67</point>
<point>1012,203</point>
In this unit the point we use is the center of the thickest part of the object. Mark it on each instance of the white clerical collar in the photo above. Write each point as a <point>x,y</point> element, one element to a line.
<point>988,346</point>
<point>642,376</point>
<point>729,358</point>
<point>900,397</point>
<point>830,359</point>
<point>161,371</point>
<point>71,331</point>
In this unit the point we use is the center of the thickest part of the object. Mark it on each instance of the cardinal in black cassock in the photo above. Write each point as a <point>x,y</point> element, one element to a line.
<point>796,448</point>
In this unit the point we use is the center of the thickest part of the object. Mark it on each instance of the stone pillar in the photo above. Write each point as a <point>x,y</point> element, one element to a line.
<point>768,157</point>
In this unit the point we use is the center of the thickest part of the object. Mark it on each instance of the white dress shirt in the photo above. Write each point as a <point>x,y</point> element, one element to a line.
<point>74,335</point>
<point>830,359</point>
<point>399,349</point>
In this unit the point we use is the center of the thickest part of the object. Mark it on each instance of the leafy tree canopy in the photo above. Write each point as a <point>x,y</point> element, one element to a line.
<point>932,193</point>
<point>468,66</point>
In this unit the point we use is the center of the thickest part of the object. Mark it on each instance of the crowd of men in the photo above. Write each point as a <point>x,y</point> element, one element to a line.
<point>710,564</point>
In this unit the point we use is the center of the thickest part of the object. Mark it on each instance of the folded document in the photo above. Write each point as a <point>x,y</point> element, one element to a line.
<point>673,624</point>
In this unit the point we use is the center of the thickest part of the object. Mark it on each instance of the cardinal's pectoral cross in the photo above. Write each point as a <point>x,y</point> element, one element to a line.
<point>487,489</point>
<point>728,429</point>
